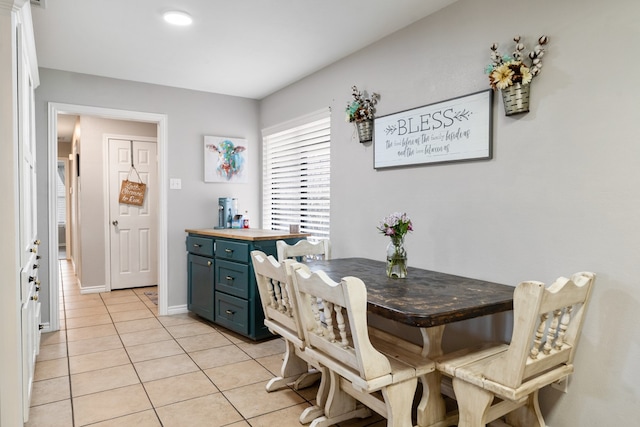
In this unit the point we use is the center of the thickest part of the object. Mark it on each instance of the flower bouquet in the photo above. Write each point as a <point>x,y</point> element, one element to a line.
<point>513,76</point>
<point>396,226</point>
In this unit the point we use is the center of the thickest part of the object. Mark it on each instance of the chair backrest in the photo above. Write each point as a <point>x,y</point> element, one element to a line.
<point>547,325</point>
<point>278,302</point>
<point>334,320</point>
<point>303,249</point>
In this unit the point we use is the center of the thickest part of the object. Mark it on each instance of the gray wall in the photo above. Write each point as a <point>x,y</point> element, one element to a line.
<point>560,195</point>
<point>191,115</point>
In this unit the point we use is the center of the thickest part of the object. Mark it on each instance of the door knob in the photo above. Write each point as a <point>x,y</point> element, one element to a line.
<point>115,222</point>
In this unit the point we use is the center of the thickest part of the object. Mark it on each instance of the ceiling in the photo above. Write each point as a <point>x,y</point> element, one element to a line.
<point>246,48</point>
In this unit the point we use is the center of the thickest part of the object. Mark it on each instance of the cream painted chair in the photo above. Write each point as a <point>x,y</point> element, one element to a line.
<point>281,317</point>
<point>497,380</point>
<point>304,249</point>
<point>368,366</point>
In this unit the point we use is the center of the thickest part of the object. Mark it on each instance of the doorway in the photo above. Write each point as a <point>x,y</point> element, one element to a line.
<point>160,120</point>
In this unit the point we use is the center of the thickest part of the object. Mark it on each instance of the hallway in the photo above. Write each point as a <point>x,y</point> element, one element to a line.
<point>115,362</point>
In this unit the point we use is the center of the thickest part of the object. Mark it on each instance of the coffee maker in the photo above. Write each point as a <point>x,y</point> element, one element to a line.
<point>227,209</point>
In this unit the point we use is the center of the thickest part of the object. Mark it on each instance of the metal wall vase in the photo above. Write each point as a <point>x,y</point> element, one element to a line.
<point>365,130</point>
<point>516,99</point>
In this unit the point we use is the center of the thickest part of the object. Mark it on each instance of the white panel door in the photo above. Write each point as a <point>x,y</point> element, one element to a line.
<point>133,228</point>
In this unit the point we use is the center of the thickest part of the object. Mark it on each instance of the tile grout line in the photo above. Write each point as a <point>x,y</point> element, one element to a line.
<point>66,340</point>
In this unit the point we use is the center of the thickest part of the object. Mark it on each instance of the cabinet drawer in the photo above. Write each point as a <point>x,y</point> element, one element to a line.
<point>232,278</point>
<point>232,313</point>
<point>200,245</point>
<point>233,251</point>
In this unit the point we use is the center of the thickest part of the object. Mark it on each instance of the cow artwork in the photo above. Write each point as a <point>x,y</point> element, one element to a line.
<point>224,159</point>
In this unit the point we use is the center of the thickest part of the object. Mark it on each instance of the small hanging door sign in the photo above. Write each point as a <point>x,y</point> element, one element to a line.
<point>131,192</point>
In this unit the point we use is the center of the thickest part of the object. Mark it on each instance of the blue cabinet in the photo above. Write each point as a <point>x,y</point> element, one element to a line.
<point>201,285</point>
<point>221,282</point>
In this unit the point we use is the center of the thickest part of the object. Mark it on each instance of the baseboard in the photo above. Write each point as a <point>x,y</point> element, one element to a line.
<point>177,309</point>
<point>92,289</point>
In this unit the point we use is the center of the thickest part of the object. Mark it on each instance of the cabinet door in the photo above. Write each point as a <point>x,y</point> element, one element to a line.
<point>201,275</point>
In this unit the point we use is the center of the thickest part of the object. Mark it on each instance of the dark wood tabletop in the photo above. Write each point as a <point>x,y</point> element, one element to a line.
<point>424,298</point>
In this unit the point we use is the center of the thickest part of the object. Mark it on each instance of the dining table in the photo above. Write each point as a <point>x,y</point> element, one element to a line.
<point>425,299</point>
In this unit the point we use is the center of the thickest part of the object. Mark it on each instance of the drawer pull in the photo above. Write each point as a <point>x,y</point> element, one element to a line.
<point>230,312</point>
<point>229,251</point>
<point>229,278</point>
<point>195,245</point>
<point>209,263</point>
<point>34,297</point>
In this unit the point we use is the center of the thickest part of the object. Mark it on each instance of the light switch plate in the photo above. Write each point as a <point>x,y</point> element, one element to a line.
<point>175,184</point>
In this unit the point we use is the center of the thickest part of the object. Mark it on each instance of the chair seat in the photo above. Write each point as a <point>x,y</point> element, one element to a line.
<point>470,364</point>
<point>404,363</point>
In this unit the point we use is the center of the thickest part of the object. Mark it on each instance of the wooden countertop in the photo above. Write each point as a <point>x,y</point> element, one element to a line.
<point>252,234</point>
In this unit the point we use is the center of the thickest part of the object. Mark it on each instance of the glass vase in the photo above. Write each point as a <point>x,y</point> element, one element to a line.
<point>396,259</point>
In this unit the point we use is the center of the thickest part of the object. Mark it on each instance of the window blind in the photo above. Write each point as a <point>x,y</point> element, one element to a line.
<point>296,175</point>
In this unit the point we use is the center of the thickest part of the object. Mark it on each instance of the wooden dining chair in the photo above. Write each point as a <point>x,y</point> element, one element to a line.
<point>368,366</point>
<point>497,380</point>
<point>281,317</point>
<point>304,249</point>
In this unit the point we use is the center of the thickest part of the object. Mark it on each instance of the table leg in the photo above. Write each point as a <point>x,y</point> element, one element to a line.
<point>431,408</point>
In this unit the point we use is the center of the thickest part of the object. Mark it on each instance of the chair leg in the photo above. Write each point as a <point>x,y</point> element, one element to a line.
<point>473,403</point>
<point>292,367</point>
<point>431,408</point>
<point>340,406</point>
<point>317,410</point>
<point>528,415</point>
<point>398,399</point>
<point>307,379</point>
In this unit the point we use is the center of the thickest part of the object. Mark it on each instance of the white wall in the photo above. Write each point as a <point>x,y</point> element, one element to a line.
<point>560,195</point>
<point>191,115</point>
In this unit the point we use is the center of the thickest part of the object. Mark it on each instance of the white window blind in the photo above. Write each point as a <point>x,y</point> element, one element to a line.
<point>296,175</point>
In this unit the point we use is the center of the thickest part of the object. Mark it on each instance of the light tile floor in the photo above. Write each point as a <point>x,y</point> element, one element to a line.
<point>115,362</point>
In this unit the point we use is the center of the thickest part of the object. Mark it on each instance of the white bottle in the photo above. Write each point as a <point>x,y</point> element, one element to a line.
<point>245,220</point>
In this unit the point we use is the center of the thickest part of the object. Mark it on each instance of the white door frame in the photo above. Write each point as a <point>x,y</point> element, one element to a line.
<point>55,108</point>
<point>107,205</point>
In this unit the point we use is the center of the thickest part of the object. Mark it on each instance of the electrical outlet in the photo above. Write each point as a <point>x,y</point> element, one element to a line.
<point>562,385</point>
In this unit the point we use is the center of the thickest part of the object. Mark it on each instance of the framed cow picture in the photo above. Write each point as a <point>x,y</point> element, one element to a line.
<point>225,159</point>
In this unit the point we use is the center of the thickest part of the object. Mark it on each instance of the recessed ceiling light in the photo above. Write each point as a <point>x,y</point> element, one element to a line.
<point>177,17</point>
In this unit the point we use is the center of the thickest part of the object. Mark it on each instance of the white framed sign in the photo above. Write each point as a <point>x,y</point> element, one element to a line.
<point>454,130</point>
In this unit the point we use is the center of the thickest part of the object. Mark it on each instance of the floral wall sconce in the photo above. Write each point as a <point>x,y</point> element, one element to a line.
<point>513,76</point>
<point>360,110</point>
